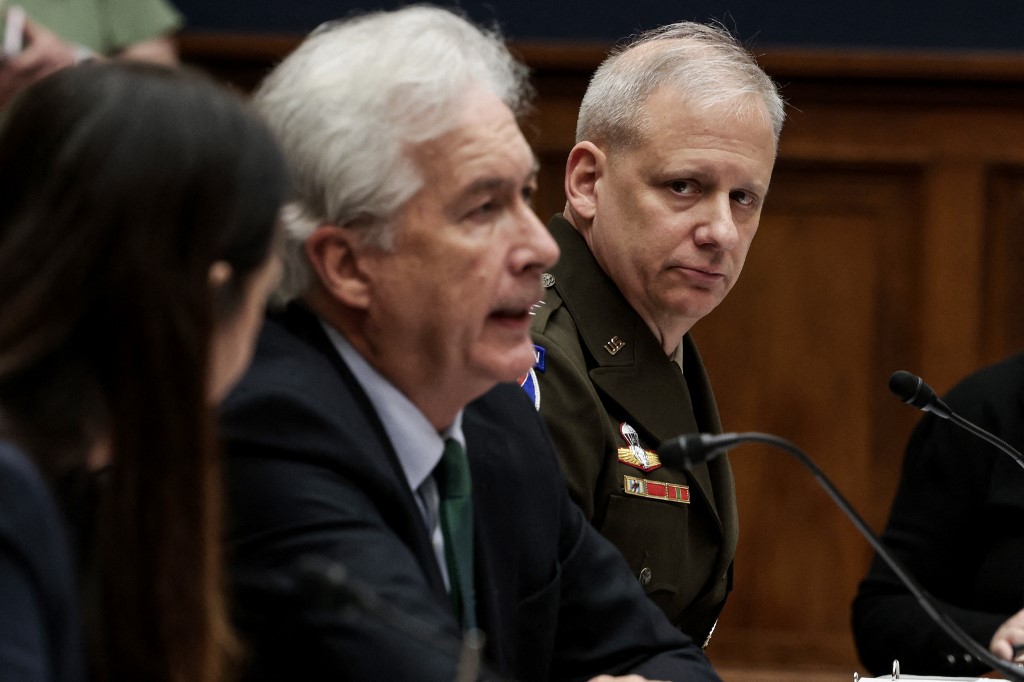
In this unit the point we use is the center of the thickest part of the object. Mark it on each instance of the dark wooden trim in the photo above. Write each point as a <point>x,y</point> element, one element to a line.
<point>202,46</point>
<point>894,64</point>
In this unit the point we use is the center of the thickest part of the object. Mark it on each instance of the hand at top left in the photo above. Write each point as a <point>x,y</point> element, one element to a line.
<point>44,53</point>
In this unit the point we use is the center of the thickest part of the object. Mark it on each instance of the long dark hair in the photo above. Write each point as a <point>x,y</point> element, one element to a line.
<point>120,186</point>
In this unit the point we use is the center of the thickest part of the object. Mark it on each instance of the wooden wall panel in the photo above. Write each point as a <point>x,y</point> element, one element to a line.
<point>802,348</point>
<point>1002,320</point>
<point>893,238</point>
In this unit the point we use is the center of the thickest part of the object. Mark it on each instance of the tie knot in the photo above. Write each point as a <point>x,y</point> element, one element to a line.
<point>453,471</point>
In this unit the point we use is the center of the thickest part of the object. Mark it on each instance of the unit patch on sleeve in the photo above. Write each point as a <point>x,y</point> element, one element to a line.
<point>670,492</point>
<point>540,362</point>
<point>633,454</point>
<point>528,382</point>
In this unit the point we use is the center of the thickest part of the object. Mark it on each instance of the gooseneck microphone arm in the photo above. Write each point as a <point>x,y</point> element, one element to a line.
<point>686,451</point>
<point>912,390</point>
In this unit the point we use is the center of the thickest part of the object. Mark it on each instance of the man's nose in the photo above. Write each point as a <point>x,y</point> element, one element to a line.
<point>718,224</point>
<point>537,249</point>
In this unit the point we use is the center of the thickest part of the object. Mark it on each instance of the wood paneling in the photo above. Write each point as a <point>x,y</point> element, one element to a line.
<point>802,348</point>
<point>893,238</point>
<point>1003,272</point>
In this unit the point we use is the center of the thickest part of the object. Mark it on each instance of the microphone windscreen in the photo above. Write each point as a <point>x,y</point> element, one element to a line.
<point>908,388</point>
<point>675,452</point>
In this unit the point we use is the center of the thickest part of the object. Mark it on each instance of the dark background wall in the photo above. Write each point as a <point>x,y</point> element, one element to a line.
<point>939,24</point>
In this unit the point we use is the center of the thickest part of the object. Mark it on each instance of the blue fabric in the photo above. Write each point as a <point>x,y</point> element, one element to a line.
<point>40,637</point>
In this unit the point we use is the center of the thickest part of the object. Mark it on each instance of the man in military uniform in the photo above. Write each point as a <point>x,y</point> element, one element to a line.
<point>676,141</point>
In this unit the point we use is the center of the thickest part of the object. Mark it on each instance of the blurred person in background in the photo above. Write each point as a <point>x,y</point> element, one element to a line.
<point>138,206</point>
<point>957,525</point>
<point>56,34</point>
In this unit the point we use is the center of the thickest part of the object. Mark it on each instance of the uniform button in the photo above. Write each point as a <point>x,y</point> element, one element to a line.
<point>645,576</point>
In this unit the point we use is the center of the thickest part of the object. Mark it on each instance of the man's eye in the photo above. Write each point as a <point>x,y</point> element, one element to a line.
<point>483,210</point>
<point>528,194</point>
<point>743,198</point>
<point>684,187</point>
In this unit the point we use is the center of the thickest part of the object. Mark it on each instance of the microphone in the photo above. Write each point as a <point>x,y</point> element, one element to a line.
<point>912,390</point>
<point>686,451</point>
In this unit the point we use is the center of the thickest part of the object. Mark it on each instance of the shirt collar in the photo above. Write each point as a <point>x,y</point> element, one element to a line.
<point>677,355</point>
<point>417,444</point>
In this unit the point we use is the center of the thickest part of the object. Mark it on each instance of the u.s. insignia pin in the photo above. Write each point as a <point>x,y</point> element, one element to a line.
<point>614,345</point>
<point>633,454</point>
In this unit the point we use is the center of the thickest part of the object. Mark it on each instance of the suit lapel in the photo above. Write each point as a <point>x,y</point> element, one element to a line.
<point>306,326</point>
<point>486,447</point>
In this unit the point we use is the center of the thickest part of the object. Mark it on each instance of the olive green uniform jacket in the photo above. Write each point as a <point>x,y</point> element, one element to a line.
<point>602,369</point>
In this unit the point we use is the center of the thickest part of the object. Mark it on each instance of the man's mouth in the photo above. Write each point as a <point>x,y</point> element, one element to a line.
<point>515,313</point>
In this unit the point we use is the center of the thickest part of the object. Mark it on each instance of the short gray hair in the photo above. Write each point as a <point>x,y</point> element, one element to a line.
<point>705,64</point>
<point>353,99</point>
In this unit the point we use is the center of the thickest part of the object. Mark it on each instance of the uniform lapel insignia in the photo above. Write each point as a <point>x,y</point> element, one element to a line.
<point>633,454</point>
<point>670,492</point>
<point>614,345</point>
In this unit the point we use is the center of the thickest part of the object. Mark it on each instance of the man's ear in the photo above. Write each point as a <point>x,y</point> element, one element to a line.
<point>584,167</point>
<point>333,253</point>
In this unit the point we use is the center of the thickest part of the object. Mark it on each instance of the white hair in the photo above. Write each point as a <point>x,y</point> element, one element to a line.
<point>353,99</point>
<point>705,64</point>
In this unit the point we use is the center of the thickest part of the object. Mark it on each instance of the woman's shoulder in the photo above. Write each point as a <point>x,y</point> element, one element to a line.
<point>20,479</point>
<point>37,588</point>
<point>27,508</point>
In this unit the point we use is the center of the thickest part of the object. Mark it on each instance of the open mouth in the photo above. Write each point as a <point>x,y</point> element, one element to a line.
<point>516,314</point>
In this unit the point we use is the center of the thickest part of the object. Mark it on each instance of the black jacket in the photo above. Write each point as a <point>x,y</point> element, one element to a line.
<point>957,524</point>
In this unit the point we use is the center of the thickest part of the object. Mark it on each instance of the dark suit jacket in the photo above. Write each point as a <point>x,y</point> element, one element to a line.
<point>40,631</point>
<point>312,473</point>
<point>957,524</point>
<point>682,553</point>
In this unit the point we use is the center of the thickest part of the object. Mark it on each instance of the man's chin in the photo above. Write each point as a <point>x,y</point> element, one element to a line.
<point>693,307</point>
<point>512,369</point>
<point>504,357</point>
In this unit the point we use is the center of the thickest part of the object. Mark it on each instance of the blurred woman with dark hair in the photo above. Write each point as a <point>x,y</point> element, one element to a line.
<point>137,213</point>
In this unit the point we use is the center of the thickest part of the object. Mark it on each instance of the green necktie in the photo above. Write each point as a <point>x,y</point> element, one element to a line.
<point>456,510</point>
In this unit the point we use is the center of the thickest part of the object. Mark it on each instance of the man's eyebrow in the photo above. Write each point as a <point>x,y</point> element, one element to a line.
<point>490,184</point>
<point>484,185</point>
